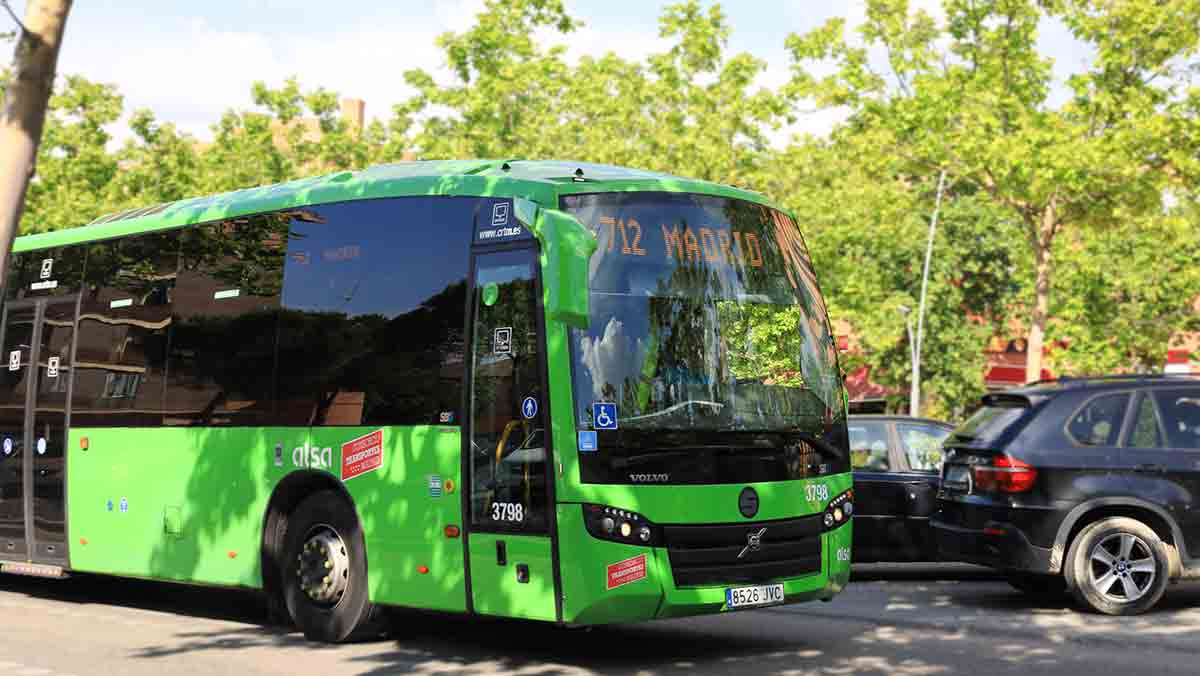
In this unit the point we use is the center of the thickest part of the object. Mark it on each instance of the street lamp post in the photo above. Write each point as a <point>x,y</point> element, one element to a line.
<point>914,407</point>
<point>914,395</point>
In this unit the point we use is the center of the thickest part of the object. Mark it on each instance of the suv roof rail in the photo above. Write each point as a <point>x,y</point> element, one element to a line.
<point>1115,376</point>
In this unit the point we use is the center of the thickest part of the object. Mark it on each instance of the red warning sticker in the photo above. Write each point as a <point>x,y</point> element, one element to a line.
<point>362,455</point>
<point>624,572</point>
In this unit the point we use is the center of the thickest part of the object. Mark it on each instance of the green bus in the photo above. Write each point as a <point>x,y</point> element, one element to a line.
<point>544,390</point>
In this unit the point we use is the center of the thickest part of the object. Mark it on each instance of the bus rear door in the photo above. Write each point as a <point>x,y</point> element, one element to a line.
<point>38,350</point>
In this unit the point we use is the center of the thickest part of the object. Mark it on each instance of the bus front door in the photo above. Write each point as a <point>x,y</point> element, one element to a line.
<point>37,350</point>
<point>511,564</point>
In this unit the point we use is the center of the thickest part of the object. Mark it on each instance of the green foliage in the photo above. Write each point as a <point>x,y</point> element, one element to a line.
<point>868,235</point>
<point>693,110</point>
<point>973,98</point>
<point>74,167</point>
<point>1124,294</point>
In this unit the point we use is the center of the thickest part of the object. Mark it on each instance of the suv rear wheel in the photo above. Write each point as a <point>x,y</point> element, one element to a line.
<point>1118,566</point>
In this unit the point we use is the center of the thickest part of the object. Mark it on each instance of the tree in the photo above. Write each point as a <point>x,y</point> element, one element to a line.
<point>75,169</point>
<point>693,110</point>
<point>974,97</point>
<point>1121,317</point>
<point>24,110</point>
<point>866,224</point>
<point>158,164</point>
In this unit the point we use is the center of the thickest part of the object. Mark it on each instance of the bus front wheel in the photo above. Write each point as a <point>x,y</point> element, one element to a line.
<point>324,570</point>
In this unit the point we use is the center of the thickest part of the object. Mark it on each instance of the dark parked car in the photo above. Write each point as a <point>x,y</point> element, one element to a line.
<point>896,461</point>
<point>1089,484</point>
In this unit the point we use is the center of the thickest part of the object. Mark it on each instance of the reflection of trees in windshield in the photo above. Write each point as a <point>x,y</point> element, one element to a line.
<point>682,359</point>
<point>718,325</point>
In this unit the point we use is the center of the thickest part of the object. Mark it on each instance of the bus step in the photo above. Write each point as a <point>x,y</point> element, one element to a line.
<point>33,569</point>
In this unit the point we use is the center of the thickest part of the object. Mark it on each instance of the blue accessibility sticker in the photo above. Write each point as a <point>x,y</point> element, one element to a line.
<point>587,441</point>
<point>604,416</point>
<point>529,407</point>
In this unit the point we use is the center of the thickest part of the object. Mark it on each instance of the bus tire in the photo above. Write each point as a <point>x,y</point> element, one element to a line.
<point>324,570</point>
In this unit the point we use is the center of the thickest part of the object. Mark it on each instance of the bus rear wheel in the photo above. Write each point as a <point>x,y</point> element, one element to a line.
<point>324,570</point>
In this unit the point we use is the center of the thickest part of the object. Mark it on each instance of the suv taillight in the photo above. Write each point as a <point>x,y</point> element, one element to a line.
<point>1006,474</point>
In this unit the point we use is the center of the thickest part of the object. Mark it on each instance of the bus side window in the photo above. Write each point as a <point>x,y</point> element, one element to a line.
<point>220,369</point>
<point>124,321</point>
<point>372,326</point>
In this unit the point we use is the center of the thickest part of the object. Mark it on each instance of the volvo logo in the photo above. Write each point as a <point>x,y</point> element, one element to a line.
<point>748,502</point>
<point>753,542</point>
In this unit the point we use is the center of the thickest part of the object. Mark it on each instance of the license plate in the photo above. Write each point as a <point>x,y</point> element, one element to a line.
<point>746,597</point>
<point>958,478</point>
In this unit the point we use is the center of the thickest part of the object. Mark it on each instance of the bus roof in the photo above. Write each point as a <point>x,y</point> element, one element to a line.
<point>540,181</point>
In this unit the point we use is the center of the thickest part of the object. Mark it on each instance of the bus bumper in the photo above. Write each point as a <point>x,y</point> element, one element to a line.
<point>821,585</point>
<point>609,582</point>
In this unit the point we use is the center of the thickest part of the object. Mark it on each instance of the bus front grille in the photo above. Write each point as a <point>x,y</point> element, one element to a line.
<point>765,551</point>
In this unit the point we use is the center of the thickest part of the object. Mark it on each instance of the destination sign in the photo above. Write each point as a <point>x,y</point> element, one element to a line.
<point>682,243</point>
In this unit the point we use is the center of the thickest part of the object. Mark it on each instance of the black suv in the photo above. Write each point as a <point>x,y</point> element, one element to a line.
<point>1089,484</point>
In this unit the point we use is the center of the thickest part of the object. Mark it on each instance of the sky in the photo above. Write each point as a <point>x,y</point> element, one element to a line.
<point>188,61</point>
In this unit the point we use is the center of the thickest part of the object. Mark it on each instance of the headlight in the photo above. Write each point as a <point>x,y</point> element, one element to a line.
<point>621,525</point>
<point>839,510</point>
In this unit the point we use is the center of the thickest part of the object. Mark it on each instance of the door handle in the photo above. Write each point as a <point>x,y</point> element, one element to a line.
<point>1152,468</point>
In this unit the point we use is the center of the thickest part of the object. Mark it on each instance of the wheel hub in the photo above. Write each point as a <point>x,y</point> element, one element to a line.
<point>323,566</point>
<point>1122,567</point>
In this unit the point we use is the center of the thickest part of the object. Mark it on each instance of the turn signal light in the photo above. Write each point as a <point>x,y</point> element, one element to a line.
<point>452,531</point>
<point>1006,474</point>
<point>423,569</point>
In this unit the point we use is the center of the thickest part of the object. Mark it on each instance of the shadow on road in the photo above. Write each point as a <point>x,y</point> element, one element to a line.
<point>898,631</point>
<point>922,572</point>
<point>237,605</point>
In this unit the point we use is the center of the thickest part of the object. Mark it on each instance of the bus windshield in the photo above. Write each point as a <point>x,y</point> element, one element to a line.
<point>709,334</point>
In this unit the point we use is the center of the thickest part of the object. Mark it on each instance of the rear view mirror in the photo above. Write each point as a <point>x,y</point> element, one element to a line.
<point>567,248</point>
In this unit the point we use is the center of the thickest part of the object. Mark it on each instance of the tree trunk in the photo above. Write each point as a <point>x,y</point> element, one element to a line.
<point>1043,243</point>
<point>24,112</point>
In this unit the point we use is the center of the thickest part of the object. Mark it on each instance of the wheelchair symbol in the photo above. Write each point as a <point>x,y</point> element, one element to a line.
<point>604,416</point>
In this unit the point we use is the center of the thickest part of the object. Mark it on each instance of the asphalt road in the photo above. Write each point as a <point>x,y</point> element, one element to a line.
<point>895,620</point>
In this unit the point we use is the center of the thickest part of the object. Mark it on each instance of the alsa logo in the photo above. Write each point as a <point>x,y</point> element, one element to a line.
<point>312,457</point>
<point>650,478</point>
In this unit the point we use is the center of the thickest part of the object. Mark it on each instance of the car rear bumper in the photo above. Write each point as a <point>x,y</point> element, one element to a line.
<point>997,545</point>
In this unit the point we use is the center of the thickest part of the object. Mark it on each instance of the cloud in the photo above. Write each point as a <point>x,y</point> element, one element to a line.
<point>457,15</point>
<point>611,358</point>
<point>199,71</point>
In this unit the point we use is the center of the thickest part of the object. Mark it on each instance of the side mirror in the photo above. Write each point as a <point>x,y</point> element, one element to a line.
<point>567,248</point>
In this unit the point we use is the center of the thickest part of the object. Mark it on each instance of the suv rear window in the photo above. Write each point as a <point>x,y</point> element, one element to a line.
<point>988,423</point>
